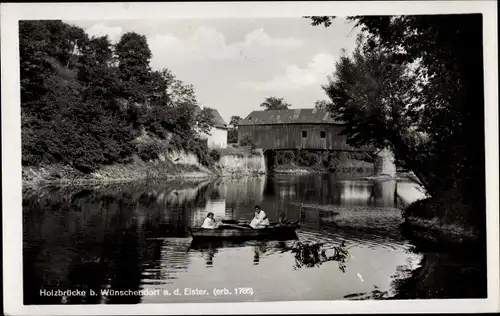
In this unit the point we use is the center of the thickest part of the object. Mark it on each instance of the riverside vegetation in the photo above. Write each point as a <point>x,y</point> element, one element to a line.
<point>415,84</point>
<point>93,110</point>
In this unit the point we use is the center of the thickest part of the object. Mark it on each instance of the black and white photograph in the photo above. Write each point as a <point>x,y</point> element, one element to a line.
<point>339,152</point>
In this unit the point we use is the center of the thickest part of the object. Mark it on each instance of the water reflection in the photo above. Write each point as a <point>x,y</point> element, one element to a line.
<point>135,236</point>
<point>306,255</point>
<point>313,255</point>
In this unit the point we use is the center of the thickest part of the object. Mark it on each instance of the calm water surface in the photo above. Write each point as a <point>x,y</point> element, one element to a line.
<point>135,236</point>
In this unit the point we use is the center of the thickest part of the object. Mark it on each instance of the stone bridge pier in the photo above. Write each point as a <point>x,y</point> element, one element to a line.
<point>384,163</point>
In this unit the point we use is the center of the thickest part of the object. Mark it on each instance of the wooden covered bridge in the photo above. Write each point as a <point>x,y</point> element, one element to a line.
<point>307,129</point>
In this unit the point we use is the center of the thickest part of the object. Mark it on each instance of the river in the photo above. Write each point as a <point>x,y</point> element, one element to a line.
<point>132,237</point>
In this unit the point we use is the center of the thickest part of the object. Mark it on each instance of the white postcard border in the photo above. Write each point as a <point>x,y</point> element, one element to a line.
<point>11,13</point>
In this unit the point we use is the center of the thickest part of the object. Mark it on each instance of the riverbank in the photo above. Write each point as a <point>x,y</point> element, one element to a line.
<point>453,263</point>
<point>445,219</point>
<point>174,167</point>
<point>351,168</point>
<point>435,231</point>
<point>293,170</point>
<point>134,171</point>
<point>400,176</point>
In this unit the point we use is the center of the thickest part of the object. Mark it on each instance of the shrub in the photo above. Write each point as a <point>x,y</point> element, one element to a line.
<point>232,136</point>
<point>289,156</point>
<point>280,158</point>
<point>149,152</point>
<point>200,149</point>
<point>307,159</point>
<point>285,157</point>
<point>314,159</point>
<point>449,207</point>
<point>325,163</point>
<point>247,141</point>
<point>215,155</point>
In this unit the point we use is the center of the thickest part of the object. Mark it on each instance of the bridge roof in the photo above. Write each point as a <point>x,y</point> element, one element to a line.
<point>290,116</point>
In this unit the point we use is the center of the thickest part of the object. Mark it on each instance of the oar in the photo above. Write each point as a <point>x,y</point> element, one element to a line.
<point>234,226</point>
<point>233,221</point>
<point>229,221</point>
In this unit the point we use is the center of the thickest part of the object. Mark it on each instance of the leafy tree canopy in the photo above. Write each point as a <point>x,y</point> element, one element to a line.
<point>235,120</point>
<point>433,67</point>
<point>322,105</point>
<point>274,103</point>
<point>84,101</point>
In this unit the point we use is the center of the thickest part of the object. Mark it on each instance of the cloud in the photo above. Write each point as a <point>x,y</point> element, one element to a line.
<point>100,29</point>
<point>260,38</point>
<point>209,43</point>
<point>203,43</point>
<point>295,77</point>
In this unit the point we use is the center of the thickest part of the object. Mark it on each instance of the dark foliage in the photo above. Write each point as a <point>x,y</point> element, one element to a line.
<point>84,101</point>
<point>150,152</point>
<point>273,103</point>
<point>307,158</point>
<point>215,155</point>
<point>232,136</point>
<point>314,255</point>
<point>285,157</point>
<point>432,116</point>
<point>247,141</point>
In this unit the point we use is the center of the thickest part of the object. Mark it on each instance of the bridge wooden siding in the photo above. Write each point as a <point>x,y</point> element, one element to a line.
<point>310,129</point>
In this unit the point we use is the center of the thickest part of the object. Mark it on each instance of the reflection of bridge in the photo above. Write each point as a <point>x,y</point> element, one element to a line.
<point>235,199</point>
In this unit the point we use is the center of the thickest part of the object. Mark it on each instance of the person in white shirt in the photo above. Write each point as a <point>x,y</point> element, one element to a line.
<point>209,221</point>
<point>260,219</point>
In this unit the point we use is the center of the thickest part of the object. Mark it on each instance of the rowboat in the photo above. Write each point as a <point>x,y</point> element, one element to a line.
<point>235,231</point>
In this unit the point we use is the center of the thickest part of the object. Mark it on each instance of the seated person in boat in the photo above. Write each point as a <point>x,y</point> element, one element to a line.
<point>209,222</point>
<point>260,219</point>
<point>282,220</point>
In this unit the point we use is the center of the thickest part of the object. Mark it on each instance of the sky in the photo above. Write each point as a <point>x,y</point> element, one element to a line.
<point>234,64</point>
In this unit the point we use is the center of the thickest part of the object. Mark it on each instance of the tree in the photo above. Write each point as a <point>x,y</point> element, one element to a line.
<point>84,101</point>
<point>232,134</point>
<point>46,48</point>
<point>322,105</point>
<point>235,120</point>
<point>96,72</point>
<point>376,97</point>
<point>448,50</point>
<point>68,89</point>
<point>133,56</point>
<point>205,120</point>
<point>273,103</point>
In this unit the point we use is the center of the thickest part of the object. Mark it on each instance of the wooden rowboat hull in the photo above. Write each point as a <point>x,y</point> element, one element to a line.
<point>273,232</point>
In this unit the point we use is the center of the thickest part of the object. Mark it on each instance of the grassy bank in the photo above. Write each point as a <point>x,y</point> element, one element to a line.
<point>292,168</point>
<point>349,168</point>
<point>445,218</point>
<point>400,176</point>
<point>450,234</point>
<point>136,170</point>
<point>175,165</point>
